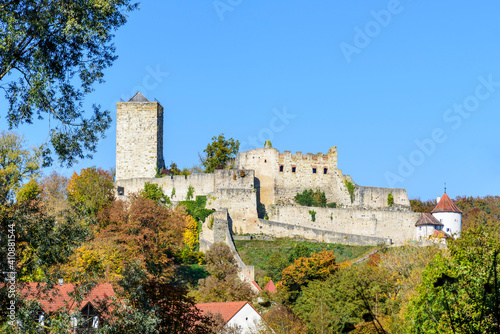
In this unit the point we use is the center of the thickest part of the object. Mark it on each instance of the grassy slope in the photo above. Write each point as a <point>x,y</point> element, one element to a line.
<point>257,252</point>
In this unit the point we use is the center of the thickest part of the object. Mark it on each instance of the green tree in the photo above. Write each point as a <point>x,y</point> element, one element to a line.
<point>51,55</point>
<point>17,164</point>
<point>355,295</point>
<point>219,153</point>
<point>459,292</point>
<point>154,192</point>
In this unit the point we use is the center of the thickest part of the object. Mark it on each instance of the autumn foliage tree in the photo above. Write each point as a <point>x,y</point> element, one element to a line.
<point>91,191</point>
<point>223,284</point>
<point>318,266</point>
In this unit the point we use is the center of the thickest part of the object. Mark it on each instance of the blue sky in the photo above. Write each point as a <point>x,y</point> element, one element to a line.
<point>408,91</point>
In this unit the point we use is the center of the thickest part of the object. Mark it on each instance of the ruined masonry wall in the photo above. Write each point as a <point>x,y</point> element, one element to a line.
<point>203,184</point>
<point>139,139</point>
<point>328,177</point>
<point>396,225</point>
<point>281,230</point>
<point>376,197</point>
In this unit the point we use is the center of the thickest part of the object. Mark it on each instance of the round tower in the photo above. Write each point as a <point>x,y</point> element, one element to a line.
<point>449,215</point>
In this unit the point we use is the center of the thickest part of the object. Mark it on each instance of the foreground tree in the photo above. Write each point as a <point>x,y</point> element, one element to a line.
<point>91,191</point>
<point>219,153</point>
<point>51,55</point>
<point>17,164</point>
<point>223,284</point>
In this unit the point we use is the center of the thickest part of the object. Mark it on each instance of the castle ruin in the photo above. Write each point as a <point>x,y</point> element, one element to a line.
<point>256,196</point>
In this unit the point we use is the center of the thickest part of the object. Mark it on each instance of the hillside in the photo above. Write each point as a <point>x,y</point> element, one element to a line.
<point>271,257</point>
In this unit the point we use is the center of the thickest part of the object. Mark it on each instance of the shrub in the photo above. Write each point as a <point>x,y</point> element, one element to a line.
<point>390,200</point>
<point>311,198</point>
<point>350,189</point>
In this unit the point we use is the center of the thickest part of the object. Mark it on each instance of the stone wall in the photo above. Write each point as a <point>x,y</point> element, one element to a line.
<point>386,224</point>
<point>280,176</point>
<point>203,184</point>
<point>139,139</point>
<point>264,163</point>
<point>375,197</point>
<point>242,206</point>
<point>282,230</point>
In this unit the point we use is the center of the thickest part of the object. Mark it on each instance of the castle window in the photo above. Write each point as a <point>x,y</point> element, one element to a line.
<point>120,191</point>
<point>265,160</point>
<point>325,170</point>
<point>314,170</point>
<point>281,168</point>
<point>294,169</point>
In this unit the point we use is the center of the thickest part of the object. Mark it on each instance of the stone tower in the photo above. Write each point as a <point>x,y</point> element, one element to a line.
<point>139,138</point>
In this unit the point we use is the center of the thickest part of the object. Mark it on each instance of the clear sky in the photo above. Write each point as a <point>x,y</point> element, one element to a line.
<point>408,91</point>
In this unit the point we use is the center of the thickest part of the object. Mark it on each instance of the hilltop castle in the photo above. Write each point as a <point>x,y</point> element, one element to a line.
<point>257,195</point>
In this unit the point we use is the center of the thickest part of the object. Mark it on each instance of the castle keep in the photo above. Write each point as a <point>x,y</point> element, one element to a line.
<point>263,184</point>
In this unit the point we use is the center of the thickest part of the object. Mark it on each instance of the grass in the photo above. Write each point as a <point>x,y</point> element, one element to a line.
<point>270,257</point>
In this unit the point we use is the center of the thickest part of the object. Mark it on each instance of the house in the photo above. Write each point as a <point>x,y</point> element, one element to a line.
<point>241,314</point>
<point>427,225</point>
<point>444,221</point>
<point>59,298</point>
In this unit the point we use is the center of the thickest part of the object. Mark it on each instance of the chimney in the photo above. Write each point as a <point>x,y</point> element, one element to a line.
<point>438,199</point>
<point>61,281</point>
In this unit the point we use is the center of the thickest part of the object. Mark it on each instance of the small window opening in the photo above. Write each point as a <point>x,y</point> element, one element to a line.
<point>447,230</point>
<point>325,170</point>
<point>294,169</point>
<point>265,160</point>
<point>120,191</point>
<point>281,168</point>
<point>314,170</point>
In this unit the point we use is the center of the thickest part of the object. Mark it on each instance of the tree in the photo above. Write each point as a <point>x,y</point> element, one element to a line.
<point>352,296</point>
<point>52,54</point>
<point>305,269</point>
<point>54,194</point>
<point>17,163</point>
<point>460,290</point>
<point>92,190</point>
<point>281,320</point>
<point>223,284</point>
<point>219,153</point>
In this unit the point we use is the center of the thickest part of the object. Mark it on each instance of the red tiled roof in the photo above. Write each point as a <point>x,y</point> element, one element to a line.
<point>440,234</point>
<point>227,309</point>
<point>58,297</point>
<point>446,205</point>
<point>256,285</point>
<point>428,219</point>
<point>270,286</point>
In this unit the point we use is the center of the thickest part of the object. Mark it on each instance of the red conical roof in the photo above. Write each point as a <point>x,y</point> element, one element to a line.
<point>446,205</point>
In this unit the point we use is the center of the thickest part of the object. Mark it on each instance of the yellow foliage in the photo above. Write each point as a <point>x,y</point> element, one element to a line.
<point>191,238</point>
